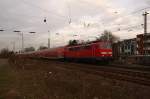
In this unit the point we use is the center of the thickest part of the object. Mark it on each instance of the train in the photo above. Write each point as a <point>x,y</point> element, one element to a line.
<point>93,51</point>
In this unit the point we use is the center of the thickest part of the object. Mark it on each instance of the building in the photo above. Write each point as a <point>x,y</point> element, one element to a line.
<point>140,44</point>
<point>143,44</point>
<point>147,44</point>
<point>124,48</point>
<point>136,50</point>
<point>128,47</point>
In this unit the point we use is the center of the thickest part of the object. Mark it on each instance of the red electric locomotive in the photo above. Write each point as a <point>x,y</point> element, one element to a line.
<point>101,50</point>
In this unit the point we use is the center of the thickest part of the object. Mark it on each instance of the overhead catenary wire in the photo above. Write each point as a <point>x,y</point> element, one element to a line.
<point>70,19</point>
<point>124,16</point>
<point>129,28</point>
<point>53,13</point>
<point>69,13</point>
<point>47,11</point>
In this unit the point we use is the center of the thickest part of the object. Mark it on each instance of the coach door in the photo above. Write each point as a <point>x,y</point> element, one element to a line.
<point>95,50</point>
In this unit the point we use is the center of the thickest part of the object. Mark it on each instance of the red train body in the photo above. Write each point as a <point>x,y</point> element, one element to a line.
<point>91,51</point>
<point>97,51</point>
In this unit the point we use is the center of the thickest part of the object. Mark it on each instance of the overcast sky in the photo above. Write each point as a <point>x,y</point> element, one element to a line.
<point>84,18</point>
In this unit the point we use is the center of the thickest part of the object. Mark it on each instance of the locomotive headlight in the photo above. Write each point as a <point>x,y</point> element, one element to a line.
<point>103,52</point>
<point>109,52</point>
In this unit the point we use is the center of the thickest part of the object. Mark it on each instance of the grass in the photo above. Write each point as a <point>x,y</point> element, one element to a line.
<point>6,77</point>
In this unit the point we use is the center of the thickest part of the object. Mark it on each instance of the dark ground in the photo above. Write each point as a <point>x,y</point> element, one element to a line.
<point>33,79</point>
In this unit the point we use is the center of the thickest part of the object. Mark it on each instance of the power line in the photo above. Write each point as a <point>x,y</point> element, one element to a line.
<point>125,16</point>
<point>69,14</point>
<point>134,12</point>
<point>47,11</point>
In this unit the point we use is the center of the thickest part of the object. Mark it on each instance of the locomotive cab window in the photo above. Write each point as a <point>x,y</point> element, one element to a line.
<point>105,45</point>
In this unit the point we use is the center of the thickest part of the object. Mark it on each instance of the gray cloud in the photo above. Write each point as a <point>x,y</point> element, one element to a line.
<point>28,15</point>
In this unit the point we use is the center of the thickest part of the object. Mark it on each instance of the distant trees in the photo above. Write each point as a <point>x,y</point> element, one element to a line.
<point>73,42</point>
<point>5,53</point>
<point>29,49</point>
<point>42,48</point>
<point>107,35</point>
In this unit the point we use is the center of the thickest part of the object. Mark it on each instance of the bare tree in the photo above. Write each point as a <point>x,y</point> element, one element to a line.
<point>5,53</point>
<point>42,48</point>
<point>108,36</point>
<point>73,42</point>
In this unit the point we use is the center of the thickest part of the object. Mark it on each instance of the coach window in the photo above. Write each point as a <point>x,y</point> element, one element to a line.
<point>81,47</point>
<point>77,48</point>
<point>74,49</point>
<point>109,45</point>
<point>70,49</point>
<point>101,46</point>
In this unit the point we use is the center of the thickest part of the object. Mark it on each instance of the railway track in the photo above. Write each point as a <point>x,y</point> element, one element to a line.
<point>114,72</point>
<point>132,67</point>
<point>124,74</point>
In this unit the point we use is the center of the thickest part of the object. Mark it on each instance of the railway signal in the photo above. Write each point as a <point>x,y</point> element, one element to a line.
<point>32,32</point>
<point>1,30</point>
<point>17,31</point>
<point>45,21</point>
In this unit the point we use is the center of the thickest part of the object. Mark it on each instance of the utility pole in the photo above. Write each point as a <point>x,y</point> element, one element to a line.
<point>145,29</point>
<point>49,39</point>
<point>22,39</point>
<point>14,46</point>
<point>145,22</point>
<point>22,42</point>
<point>108,36</point>
<point>22,50</point>
<point>45,21</point>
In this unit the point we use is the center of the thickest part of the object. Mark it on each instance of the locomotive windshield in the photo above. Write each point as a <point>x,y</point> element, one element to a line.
<point>106,45</point>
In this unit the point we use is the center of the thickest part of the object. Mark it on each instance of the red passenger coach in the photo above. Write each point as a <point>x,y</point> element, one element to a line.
<point>53,53</point>
<point>93,51</point>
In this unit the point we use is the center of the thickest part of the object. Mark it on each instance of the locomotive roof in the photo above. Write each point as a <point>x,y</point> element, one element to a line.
<point>38,51</point>
<point>86,44</point>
